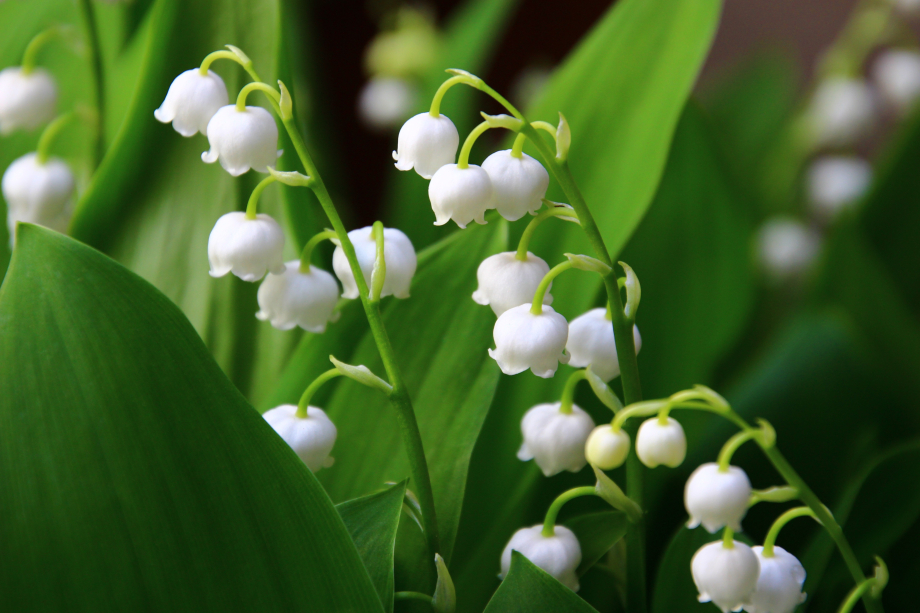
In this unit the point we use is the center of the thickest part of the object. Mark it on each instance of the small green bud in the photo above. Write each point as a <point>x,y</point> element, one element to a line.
<point>563,139</point>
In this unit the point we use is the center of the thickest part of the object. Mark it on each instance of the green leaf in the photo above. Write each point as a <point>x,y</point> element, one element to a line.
<point>372,522</point>
<point>528,589</point>
<point>597,533</point>
<point>132,470</point>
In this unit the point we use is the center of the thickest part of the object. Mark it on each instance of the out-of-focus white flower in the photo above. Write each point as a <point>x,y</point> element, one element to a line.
<point>658,443</point>
<point>242,139</point>
<point>384,102</point>
<point>297,298</point>
<point>191,101</point>
<point>528,84</point>
<point>246,247</point>
<point>426,143</point>
<point>607,448</point>
<point>842,111</point>
<point>897,75</point>
<point>461,194</point>
<point>908,7</point>
<point>506,282</point>
<point>311,437</point>
<point>555,440</point>
<point>717,499</point>
<point>524,340</point>
<point>518,184</point>
<point>37,193</point>
<point>591,343</point>
<point>26,100</point>
<point>779,587</point>
<point>786,247</point>
<point>725,576</point>
<point>559,555</point>
<point>837,181</point>
<point>398,254</point>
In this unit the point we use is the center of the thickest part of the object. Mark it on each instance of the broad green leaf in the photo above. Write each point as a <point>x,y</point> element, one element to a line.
<point>597,533</point>
<point>133,472</point>
<point>528,589</point>
<point>372,521</point>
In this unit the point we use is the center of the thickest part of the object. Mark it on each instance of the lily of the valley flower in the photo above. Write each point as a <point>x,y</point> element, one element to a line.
<point>717,499</point>
<point>837,181</point>
<point>426,143</point>
<point>591,343</point>
<point>386,101</point>
<point>247,247</point>
<point>311,437</point>
<point>461,194</point>
<point>26,100</point>
<point>242,139</point>
<point>555,440</point>
<point>559,555</point>
<point>191,102</point>
<point>842,111</point>
<point>37,193</point>
<point>518,183</point>
<point>786,247</point>
<point>897,75</point>
<point>506,282</point>
<point>299,298</point>
<point>398,253</point>
<point>607,448</point>
<point>726,576</point>
<point>524,340</point>
<point>658,443</point>
<point>779,586</point>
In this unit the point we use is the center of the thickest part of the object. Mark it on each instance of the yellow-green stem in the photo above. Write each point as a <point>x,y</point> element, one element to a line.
<point>43,150</point>
<point>307,252</point>
<point>568,392</point>
<point>379,275</point>
<point>536,307</point>
<point>308,393</point>
<point>517,150</point>
<point>549,522</point>
<point>463,161</point>
<point>435,110</point>
<point>782,520</point>
<point>732,445</point>
<point>553,211</point>
<point>273,95</point>
<point>252,208</point>
<point>728,538</point>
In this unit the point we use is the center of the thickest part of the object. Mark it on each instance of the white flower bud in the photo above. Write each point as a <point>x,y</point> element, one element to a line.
<point>779,587</point>
<point>658,443</point>
<point>837,181</point>
<point>26,100</point>
<point>555,440</point>
<point>191,101</point>
<point>786,247</point>
<point>591,343</point>
<point>398,254</point>
<point>386,101</point>
<point>506,282</point>
<point>311,437</point>
<point>524,340</point>
<point>426,143</point>
<point>897,76</point>
<point>246,247</point>
<point>842,111</point>
<point>37,193</point>
<point>559,555</point>
<point>242,139</point>
<point>726,577</point>
<point>717,499</point>
<point>607,449</point>
<point>295,298</point>
<point>518,184</point>
<point>461,194</point>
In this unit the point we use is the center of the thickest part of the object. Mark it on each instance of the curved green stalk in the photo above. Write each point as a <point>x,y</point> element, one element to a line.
<point>256,86</point>
<point>553,211</point>
<point>517,150</point>
<point>317,383</point>
<point>728,538</point>
<point>782,520</point>
<point>252,206</point>
<point>88,16</point>
<point>568,392</point>
<point>732,445</point>
<point>463,161</point>
<point>549,522</point>
<point>536,307</point>
<point>43,150</point>
<point>307,252</point>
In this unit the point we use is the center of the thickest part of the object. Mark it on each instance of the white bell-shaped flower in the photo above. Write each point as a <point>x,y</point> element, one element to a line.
<point>717,499</point>
<point>555,440</point>
<point>910,8</point>
<point>246,247</point>
<point>591,343</point>
<point>461,194</point>
<point>779,587</point>
<point>386,101</point>
<point>242,139</point>
<point>837,181</point>
<point>607,448</point>
<point>897,75</point>
<point>524,340</point>
<point>725,576</point>
<point>37,193</point>
<point>297,298</point>
<point>311,437</point>
<point>518,184</point>
<point>426,143</point>
<point>398,253</point>
<point>786,247</point>
<point>26,100</point>
<point>191,102</point>
<point>842,111</point>
<point>658,443</point>
<point>559,555</point>
<point>506,282</point>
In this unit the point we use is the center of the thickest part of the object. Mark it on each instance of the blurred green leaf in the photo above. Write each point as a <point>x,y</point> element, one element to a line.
<point>528,589</point>
<point>133,472</point>
<point>597,533</point>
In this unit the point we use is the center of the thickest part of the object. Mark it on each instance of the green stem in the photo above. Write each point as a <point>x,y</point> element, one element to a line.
<point>463,161</point>
<point>256,86</point>
<point>536,306</point>
<point>860,591</point>
<point>379,275</point>
<point>549,522</point>
<point>732,445</point>
<point>253,205</point>
<point>553,211</point>
<point>435,110</point>
<point>227,55</point>
<point>568,392</point>
<point>95,59</point>
<point>308,393</point>
<point>546,127</point>
<point>517,150</point>
<point>307,252</point>
<point>728,538</point>
<point>781,521</point>
<point>43,151</point>
<point>30,55</point>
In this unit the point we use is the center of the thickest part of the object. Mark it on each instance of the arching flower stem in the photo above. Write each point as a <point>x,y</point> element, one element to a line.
<point>549,522</point>
<point>50,133</point>
<point>228,55</point>
<point>256,86</point>
<point>568,392</point>
<point>537,305</point>
<point>555,210</point>
<point>732,445</point>
<point>517,149</point>
<point>308,393</point>
<point>307,252</point>
<point>252,208</point>
<point>781,521</point>
<point>728,538</point>
<point>463,160</point>
<point>435,109</point>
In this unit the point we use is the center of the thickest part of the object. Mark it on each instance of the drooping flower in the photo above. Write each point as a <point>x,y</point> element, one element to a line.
<point>725,576</point>
<point>191,102</point>
<point>518,183</point>
<point>461,194</point>
<point>555,440</point>
<point>524,340</point>
<point>426,143</point>
<point>398,253</point>
<point>37,193</point>
<point>246,247</point>
<point>717,499</point>
<point>386,101</point>
<point>607,448</point>
<point>559,555</point>
<point>842,111</point>
<point>786,247</point>
<point>897,75</point>
<point>591,343</point>
<point>658,443</point>
<point>311,437</point>
<point>26,100</point>
<point>298,298</point>
<point>242,139</point>
<point>837,181</point>
<point>779,586</point>
<point>506,282</point>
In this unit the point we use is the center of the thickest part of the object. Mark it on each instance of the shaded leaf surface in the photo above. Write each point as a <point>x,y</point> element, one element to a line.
<point>528,589</point>
<point>597,533</point>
